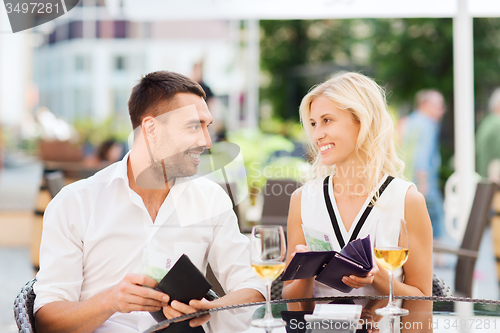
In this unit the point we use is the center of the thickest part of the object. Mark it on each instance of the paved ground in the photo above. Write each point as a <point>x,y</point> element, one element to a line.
<point>18,192</point>
<point>16,270</point>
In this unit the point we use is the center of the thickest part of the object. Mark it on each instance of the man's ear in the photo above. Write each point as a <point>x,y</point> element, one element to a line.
<point>148,126</point>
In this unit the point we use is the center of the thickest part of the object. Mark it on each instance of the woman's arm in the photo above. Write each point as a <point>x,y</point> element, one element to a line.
<point>296,288</point>
<point>418,269</point>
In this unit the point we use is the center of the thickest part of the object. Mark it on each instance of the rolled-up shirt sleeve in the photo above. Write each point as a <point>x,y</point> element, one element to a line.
<point>61,252</point>
<point>230,256</point>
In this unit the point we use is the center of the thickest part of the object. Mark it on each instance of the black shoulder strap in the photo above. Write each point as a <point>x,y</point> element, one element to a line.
<point>333,218</point>
<point>361,221</point>
<point>369,208</point>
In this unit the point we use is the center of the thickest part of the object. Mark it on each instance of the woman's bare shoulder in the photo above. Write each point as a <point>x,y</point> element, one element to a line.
<point>297,193</point>
<point>414,198</point>
<point>416,210</point>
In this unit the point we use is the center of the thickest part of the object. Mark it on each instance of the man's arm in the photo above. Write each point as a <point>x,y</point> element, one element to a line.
<point>131,294</point>
<point>59,282</point>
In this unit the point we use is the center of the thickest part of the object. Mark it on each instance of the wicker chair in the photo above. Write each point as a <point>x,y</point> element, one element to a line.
<point>277,288</point>
<point>23,308</point>
<point>440,288</point>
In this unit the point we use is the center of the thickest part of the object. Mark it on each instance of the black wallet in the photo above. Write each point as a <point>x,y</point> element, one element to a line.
<point>330,266</point>
<point>182,283</point>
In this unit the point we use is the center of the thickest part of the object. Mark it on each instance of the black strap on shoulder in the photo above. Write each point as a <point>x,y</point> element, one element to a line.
<point>333,218</point>
<point>363,217</point>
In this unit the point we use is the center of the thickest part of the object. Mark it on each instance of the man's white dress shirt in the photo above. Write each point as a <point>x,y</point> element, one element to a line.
<point>96,231</point>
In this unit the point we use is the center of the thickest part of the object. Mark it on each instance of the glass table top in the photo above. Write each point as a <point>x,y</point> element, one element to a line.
<point>427,314</point>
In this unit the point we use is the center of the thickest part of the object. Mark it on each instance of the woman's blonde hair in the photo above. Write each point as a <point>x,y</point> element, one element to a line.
<point>366,101</point>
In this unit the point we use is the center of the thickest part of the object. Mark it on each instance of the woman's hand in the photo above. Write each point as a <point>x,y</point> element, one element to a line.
<point>299,248</point>
<point>358,281</point>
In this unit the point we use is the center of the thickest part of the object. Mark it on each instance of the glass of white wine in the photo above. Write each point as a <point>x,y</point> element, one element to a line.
<point>391,251</point>
<point>268,262</point>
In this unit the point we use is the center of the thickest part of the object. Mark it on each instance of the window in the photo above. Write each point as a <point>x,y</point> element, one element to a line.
<point>120,63</point>
<point>82,63</point>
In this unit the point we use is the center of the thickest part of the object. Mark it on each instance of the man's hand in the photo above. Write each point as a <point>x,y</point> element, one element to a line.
<point>176,309</point>
<point>132,294</point>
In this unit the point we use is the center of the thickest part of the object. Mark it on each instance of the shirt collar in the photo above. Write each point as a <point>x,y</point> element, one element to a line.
<point>120,171</point>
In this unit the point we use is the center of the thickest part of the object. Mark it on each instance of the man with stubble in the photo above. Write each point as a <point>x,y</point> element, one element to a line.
<point>99,232</point>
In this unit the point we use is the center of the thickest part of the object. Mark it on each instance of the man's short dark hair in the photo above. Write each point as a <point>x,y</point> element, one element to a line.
<point>155,88</point>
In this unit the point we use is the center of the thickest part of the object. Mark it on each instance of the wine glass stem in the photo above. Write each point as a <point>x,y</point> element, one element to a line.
<point>392,324</point>
<point>391,289</point>
<point>269,313</point>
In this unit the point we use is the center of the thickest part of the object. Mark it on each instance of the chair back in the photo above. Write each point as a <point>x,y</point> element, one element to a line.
<point>277,195</point>
<point>23,308</point>
<point>216,286</point>
<point>277,288</point>
<point>478,219</point>
<point>440,288</point>
<point>54,181</point>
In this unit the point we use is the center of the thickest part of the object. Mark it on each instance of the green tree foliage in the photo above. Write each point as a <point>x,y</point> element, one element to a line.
<point>296,54</point>
<point>486,61</point>
<point>412,54</point>
<point>404,55</point>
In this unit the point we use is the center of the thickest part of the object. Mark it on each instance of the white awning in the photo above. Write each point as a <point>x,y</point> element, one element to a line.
<point>287,9</point>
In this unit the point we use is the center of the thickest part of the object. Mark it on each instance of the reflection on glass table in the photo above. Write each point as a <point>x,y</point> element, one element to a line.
<point>426,315</point>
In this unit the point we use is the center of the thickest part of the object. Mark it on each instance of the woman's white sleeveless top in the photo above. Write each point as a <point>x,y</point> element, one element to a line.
<point>315,215</point>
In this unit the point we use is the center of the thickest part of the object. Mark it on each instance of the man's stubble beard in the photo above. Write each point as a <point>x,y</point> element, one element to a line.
<point>173,167</point>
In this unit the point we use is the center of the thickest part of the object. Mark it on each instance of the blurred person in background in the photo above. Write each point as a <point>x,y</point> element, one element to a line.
<point>198,77</point>
<point>420,145</point>
<point>488,141</point>
<point>108,152</point>
<point>111,151</point>
<point>217,130</point>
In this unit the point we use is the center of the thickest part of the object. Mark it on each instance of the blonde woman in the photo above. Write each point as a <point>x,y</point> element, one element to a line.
<point>350,134</point>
